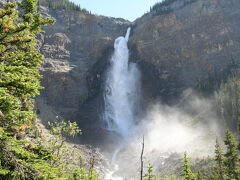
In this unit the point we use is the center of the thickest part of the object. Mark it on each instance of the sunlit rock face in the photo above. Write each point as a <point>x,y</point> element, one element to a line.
<point>76,50</point>
<point>179,49</point>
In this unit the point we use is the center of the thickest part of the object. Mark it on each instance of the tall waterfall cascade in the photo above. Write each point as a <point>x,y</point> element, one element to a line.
<point>122,89</point>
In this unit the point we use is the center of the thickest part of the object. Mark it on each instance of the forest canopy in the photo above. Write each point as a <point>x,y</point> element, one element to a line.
<point>61,4</point>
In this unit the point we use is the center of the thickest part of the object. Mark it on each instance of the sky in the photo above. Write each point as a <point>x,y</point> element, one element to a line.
<point>127,9</point>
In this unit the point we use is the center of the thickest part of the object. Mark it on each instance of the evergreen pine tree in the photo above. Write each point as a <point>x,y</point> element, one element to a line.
<point>219,168</point>
<point>149,175</point>
<point>19,62</point>
<point>231,160</point>
<point>19,83</point>
<point>213,175</point>
<point>186,172</point>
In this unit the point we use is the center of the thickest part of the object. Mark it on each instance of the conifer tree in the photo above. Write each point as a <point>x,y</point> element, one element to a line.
<point>19,62</point>
<point>149,175</point>
<point>199,176</point>
<point>213,175</point>
<point>186,172</point>
<point>231,160</point>
<point>219,168</point>
<point>19,84</point>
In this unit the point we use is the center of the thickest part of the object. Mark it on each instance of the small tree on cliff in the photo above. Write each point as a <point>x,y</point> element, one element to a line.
<point>186,172</point>
<point>62,130</point>
<point>219,161</point>
<point>231,160</point>
<point>149,175</point>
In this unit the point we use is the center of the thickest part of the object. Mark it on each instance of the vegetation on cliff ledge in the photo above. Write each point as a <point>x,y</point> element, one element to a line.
<point>164,7</point>
<point>61,4</point>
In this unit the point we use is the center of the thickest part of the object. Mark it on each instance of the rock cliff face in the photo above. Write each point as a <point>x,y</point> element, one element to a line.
<point>76,49</point>
<point>174,51</point>
<point>179,49</point>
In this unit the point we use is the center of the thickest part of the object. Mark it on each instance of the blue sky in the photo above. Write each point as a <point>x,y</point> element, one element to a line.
<point>127,9</point>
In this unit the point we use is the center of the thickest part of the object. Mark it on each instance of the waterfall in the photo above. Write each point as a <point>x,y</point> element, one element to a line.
<point>122,89</point>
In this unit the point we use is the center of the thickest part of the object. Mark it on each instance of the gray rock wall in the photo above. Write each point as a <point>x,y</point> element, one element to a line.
<point>77,49</point>
<point>179,49</point>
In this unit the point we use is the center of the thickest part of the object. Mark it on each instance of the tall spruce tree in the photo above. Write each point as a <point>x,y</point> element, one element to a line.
<point>231,160</point>
<point>219,167</point>
<point>19,83</point>
<point>186,172</point>
<point>19,62</point>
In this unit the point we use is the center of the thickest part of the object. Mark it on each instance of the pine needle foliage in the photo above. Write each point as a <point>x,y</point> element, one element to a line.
<point>228,100</point>
<point>149,175</point>
<point>164,7</point>
<point>186,172</point>
<point>19,62</point>
<point>231,160</point>
<point>62,5</point>
<point>219,159</point>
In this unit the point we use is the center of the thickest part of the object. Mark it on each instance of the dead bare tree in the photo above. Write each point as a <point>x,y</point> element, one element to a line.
<point>92,164</point>
<point>141,171</point>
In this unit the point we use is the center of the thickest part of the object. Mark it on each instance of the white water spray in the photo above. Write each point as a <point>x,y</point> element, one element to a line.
<point>164,127</point>
<point>122,89</point>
